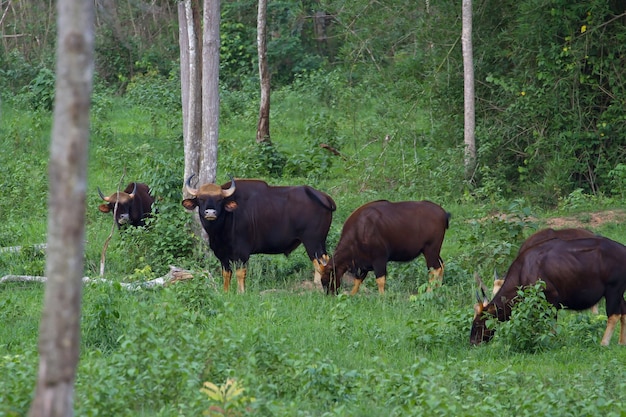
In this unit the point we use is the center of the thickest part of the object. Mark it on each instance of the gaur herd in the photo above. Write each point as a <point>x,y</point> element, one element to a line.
<point>244,217</point>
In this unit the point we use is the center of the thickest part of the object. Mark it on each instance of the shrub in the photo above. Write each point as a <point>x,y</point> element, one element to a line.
<point>40,91</point>
<point>152,90</point>
<point>532,326</point>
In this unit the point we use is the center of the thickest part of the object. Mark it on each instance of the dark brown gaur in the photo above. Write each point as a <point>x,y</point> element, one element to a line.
<point>577,273</point>
<point>545,235</point>
<point>245,217</point>
<point>382,231</point>
<point>134,204</point>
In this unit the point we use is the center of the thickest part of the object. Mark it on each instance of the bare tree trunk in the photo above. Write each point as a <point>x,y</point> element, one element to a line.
<point>468,76</point>
<point>59,333</point>
<point>191,91</point>
<point>183,46</point>
<point>263,127</point>
<point>210,90</point>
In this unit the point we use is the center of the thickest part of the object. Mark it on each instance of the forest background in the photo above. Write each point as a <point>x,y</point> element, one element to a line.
<point>381,83</point>
<point>549,76</point>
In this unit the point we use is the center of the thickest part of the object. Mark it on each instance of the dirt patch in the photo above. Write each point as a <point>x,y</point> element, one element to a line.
<point>588,220</point>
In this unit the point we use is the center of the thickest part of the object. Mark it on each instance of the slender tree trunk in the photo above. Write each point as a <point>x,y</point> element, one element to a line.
<point>468,76</point>
<point>263,127</point>
<point>210,90</point>
<point>191,91</point>
<point>59,333</point>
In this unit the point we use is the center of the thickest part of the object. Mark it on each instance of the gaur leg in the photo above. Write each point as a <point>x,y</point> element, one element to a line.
<point>318,266</point>
<point>615,309</point>
<point>435,275</point>
<point>241,280</point>
<point>357,284</point>
<point>380,281</point>
<point>380,271</point>
<point>610,328</point>
<point>226,274</point>
<point>359,276</point>
<point>622,330</point>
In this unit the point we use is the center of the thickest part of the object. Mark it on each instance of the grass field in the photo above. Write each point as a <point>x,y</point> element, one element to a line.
<point>294,351</point>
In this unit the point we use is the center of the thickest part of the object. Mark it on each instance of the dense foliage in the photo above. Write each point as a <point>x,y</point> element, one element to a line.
<point>549,77</point>
<point>552,96</point>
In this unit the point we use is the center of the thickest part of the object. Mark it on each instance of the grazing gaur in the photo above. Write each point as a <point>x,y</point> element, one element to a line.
<point>577,273</point>
<point>249,217</point>
<point>542,236</point>
<point>382,231</point>
<point>134,204</point>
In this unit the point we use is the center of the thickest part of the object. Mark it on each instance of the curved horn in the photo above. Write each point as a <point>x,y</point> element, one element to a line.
<point>480,282</point>
<point>192,191</point>
<point>495,274</point>
<point>134,190</point>
<point>231,190</point>
<point>482,299</point>
<point>102,195</point>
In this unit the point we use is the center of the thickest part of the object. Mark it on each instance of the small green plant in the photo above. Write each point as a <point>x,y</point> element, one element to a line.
<point>618,180</point>
<point>41,90</point>
<point>227,400</point>
<point>532,326</point>
<point>339,314</point>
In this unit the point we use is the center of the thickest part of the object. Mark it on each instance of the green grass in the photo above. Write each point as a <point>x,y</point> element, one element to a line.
<point>295,351</point>
<point>338,355</point>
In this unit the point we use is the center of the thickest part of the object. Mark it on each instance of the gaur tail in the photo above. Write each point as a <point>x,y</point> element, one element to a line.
<point>448,217</point>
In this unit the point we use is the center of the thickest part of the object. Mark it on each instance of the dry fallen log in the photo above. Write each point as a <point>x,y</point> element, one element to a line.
<point>16,249</point>
<point>174,275</point>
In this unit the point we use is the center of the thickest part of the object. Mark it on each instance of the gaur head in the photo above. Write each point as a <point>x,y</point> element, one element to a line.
<point>482,311</point>
<point>123,200</point>
<point>209,199</point>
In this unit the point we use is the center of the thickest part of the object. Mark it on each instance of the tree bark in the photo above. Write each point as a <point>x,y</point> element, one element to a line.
<point>263,127</point>
<point>191,85</point>
<point>210,90</point>
<point>59,333</point>
<point>468,77</point>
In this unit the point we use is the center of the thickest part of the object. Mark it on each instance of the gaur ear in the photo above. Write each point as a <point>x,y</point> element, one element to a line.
<point>231,206</point>
<point>190,203</point>
<point>497,284</point>
<point>478,309</point>
<point>104,208</point>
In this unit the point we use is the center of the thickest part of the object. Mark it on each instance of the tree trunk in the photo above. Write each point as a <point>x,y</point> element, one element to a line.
<point>210,90</point>
<point>191,92</point>
<point>59,333</point>
<point>468,76</point>
<point>263,128</point>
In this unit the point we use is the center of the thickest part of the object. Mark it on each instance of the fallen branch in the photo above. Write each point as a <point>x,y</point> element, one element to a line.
<point>332,150</point>
<point>174,275</point>
<point>16,249</point>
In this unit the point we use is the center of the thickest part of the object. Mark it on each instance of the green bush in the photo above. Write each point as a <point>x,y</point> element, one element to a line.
<point>548,103</point>
<point>152,90</point>
<point>16,72</point>
<point>16,385</point>
<point>41,90</point>
<point>532,326</point>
